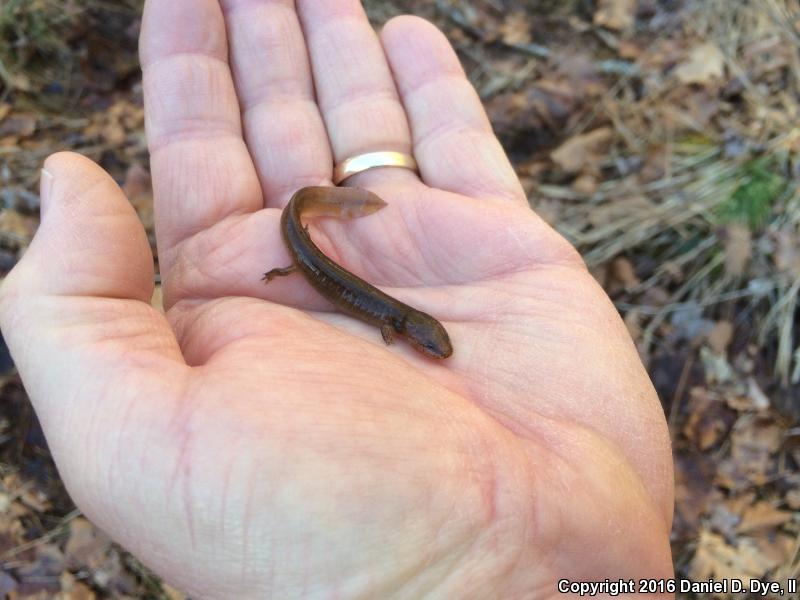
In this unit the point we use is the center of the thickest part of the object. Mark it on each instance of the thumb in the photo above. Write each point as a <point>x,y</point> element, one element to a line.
<point>76,314</point>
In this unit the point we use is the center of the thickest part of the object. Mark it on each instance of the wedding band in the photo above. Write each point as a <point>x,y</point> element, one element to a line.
<point>372,160</point>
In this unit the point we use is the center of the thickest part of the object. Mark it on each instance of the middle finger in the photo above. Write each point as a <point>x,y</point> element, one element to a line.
<point>282,123</point>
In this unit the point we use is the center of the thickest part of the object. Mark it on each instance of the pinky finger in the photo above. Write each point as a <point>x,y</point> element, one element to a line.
<point>453,138</point>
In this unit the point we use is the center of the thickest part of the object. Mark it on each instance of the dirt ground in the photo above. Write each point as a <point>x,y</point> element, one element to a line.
<point>660,136</point>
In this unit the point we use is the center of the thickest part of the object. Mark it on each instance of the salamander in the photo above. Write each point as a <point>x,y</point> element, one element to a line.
<point>349,293</point>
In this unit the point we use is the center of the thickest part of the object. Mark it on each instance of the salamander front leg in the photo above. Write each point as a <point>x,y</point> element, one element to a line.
<point>387,331</point>
<point>270,275</point>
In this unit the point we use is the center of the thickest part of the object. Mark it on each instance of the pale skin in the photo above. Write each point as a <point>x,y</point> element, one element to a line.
<point>254,443</point>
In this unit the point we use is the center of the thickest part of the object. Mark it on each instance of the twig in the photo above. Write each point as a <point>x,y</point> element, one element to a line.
<point>53,533</point>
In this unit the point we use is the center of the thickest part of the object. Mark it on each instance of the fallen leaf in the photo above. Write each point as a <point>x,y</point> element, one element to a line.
<point>585,184</point>
<point>693,495</point>
<point>709,418</point>
<point>87,545</point>
<point>16,230</point>
<point>18,125</point>
<point>716,559</point>
<point>516,29</point>
<point>756,395</point>
<point>41,574</point>
<point>630,49</point>
<point>738,249</point>
<point>763,515</point>
<point>622,270</point>
<point>583,150</point>
<point>787,253</point>
<point>723,520</point>
<point>615,14</point>
<point>22,82</point>
<point>717,368</point>
<point>72,589</point>
<point>704,64</point>
<point>754,440</point>
<point>719,338</point>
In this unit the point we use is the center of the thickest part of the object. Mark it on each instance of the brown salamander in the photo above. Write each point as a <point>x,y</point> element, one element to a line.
<point>349,293</point>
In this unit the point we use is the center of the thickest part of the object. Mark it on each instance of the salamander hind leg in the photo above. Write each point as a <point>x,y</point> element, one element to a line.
<point>387,331</point>
<point>270,275</point>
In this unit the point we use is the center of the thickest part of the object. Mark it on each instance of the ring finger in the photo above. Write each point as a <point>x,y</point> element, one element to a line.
<point>356,92</point>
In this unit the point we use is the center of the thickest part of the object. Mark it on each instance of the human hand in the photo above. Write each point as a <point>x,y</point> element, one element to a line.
<point>254,443</point>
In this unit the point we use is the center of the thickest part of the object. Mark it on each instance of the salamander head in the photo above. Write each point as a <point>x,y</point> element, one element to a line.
<point>427,335</point>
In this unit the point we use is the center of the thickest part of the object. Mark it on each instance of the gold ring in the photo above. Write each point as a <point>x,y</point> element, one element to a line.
<point>372,160</point>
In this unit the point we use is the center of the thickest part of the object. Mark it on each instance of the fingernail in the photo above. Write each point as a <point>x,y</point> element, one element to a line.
<point>45,187</point>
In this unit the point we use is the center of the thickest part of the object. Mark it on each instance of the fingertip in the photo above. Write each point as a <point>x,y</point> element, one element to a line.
<point>418,49</point>
<point>182,26</point>
<point>402,26</point>
<point>73,171</point>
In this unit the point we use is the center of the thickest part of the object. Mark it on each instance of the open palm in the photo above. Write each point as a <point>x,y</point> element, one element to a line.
<point>255,443</point>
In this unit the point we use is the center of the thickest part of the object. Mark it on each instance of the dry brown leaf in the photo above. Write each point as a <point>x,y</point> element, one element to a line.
<point>738,248</point>
<point>71,589</point>
<point>756,395</point>
<point>585,184</point>
<point>709,418</point>
<point>113,125</point>
<point>716,366</point>
<point>724,520</point>
<point>22,82</point>
<point>36,499</point>
<point>792,499</point>
<point>15,229</point>
<point>87,545</point>
<point>623,271</point>
<point>763,515</point>
<point>754,440</point>
<point>704,64</point>
<point>516,29</point>
<point>693,495</point>
<point>716,559</point>
<point>18,125</point>
<point>582,151</point>
<point>620,208</point>
<point>615,14</point>
<point>630,49</point>
<point>719,338</point>
<point>787,253</point>
<point>41,573</point>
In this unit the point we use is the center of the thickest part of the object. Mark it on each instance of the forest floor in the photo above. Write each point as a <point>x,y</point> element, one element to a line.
<point>660,136</point>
